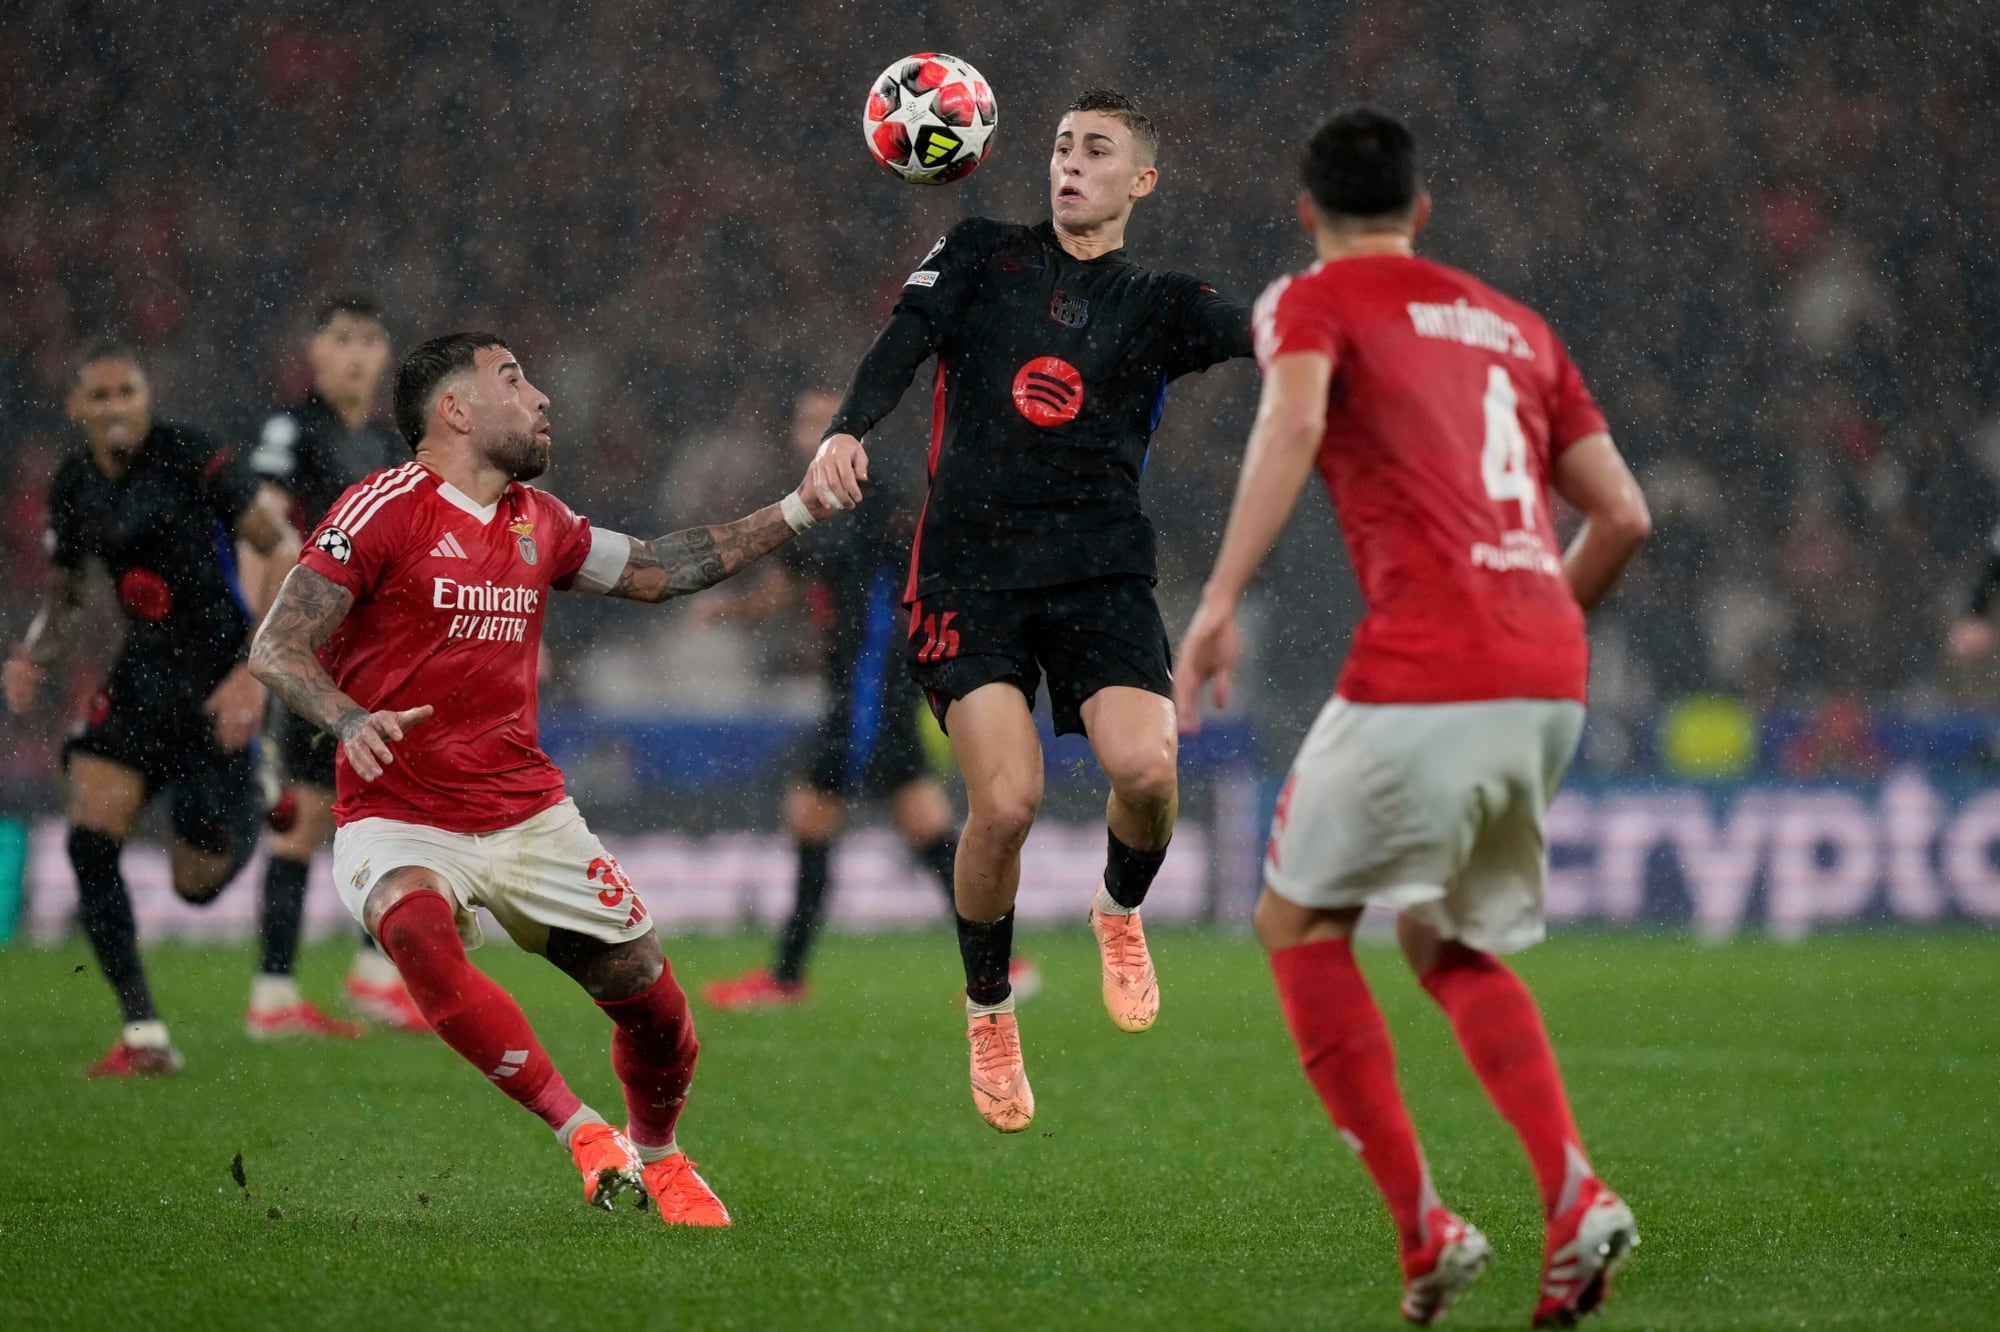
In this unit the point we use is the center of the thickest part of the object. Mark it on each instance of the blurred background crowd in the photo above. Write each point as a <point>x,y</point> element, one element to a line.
<point>1764,231</point>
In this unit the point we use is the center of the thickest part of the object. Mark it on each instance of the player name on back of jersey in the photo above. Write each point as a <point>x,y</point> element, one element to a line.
<point>1473,325</point>
<point>1516,552</point>
<point>494,612</point>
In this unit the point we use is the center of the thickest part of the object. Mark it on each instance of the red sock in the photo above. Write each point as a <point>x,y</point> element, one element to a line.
<point>474,1016</point>
<point>1501,1032</point>
<point>653,1052</point>
<point>1344,1044</point>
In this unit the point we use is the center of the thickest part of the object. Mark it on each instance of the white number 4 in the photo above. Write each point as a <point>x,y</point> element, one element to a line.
<point>1504,461</point>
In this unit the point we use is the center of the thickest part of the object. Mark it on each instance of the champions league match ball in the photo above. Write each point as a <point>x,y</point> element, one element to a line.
<point>930,119</point>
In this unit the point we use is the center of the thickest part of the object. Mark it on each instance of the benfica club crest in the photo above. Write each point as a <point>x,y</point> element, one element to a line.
<point>524,537</point>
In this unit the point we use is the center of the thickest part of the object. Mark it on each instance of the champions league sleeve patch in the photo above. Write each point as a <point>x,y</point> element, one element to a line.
<point>335,543</point>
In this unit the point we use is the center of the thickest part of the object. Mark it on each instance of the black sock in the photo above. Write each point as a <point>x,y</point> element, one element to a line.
<point>1128,873</point>
<point>815,860</point>
<point>941,859</point>
<point>986,947</point>
<point>283,912</point>
<point>105,909</point>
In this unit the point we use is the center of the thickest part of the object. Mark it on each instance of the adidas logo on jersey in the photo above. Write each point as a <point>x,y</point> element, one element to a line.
<point>450,549</point>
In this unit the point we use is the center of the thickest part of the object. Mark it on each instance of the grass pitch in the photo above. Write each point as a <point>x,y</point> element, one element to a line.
<point>1807,1134</point>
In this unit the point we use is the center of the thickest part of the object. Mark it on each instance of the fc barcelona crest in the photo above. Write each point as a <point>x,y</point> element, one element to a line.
<point>524,537</point>
<point>1069,311</point>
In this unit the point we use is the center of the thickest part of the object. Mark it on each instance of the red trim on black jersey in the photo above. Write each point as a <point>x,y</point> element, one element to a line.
<point>937,442</point>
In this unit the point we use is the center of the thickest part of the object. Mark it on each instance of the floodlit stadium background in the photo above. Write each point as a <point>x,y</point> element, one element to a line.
<point>1763,231</point>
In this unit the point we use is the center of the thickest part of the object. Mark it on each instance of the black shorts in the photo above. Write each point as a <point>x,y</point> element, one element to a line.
<point>867,745</point>
<point>160,732</point>
<point>1084,636</point>
<point>305,751</point>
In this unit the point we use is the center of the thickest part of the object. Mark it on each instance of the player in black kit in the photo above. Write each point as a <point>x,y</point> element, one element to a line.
<point>312,452</point>
<point>1032,557</point>
<point>866,742</point>
<point>163,508</point>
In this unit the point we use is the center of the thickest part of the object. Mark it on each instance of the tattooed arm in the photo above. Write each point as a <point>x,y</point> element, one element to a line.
<point>285,656</point>
<point>688,561</point>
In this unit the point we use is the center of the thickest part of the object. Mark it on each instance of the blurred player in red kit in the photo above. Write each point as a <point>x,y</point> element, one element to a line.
<point>410,629</point>
<point>1439,413</point>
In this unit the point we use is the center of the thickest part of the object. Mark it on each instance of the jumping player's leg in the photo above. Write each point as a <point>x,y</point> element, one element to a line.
<point>1000,755</point>
<point>1132,732</point>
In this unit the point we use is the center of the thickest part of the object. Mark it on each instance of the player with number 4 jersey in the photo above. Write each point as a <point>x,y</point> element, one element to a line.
<point>1440,414</point>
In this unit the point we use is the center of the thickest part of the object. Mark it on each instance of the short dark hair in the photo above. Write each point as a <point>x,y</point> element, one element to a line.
<point>1361,163</point>
<point>361,307</point>
<point>1114,103</point>
<point>429,365</point>
<point>101,349</point>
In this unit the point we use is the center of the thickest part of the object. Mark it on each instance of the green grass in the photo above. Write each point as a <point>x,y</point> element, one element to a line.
<point>1807,1134</point>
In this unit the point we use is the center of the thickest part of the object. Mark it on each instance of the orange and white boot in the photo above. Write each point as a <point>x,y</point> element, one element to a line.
<point>1131,989</point>
<point>1000,1090</point>
<point>682,1196</point>
<point>610,1167</point>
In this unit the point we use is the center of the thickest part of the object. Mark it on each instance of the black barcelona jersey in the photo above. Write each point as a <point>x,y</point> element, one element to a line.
<point>308,452</point>
<point>165,532</point>
<point>1052,373</point>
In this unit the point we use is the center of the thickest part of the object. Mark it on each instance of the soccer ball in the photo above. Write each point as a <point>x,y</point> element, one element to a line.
<point>930,119</point>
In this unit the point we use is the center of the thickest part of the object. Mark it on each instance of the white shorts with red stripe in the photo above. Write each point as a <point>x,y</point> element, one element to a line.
<point>546,872</point>
<point>1435,809</point>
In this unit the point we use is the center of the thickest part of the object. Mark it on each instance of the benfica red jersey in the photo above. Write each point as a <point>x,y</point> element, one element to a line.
<point>448,606</point>
<point>1448,407</point>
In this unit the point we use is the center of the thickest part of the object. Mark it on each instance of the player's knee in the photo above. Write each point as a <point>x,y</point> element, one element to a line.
<point>1147,782</point>
<point>1000,823</point>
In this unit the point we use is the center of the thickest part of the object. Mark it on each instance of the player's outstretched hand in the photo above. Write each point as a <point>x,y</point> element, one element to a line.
<point>1970,637</point>
<point>23,680</point>
<point>366,736</point>
<point>237,708</point>
<point>1208,653</point>
<point>834,480</point>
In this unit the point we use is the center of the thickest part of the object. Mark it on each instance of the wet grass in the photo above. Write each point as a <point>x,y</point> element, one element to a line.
<point>1807,1134</point>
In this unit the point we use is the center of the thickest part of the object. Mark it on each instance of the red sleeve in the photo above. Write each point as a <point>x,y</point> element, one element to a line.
<point>569,540</point>
<point>1291,316</point>
<point>359,537</point>
<point>1573,413</point>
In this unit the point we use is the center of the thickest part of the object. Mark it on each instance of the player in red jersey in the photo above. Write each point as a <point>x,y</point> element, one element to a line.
<point>1439,414</point>
<point>411,629</point>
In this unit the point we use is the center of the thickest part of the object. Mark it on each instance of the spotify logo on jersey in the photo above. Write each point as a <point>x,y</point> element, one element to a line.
<point>1048,391</point>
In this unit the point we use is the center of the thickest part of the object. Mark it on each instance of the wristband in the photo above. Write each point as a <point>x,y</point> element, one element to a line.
<point>796,515</point>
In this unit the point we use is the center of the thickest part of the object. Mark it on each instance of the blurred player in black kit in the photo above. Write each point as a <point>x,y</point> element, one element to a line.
<point>1032,557</point>
<point>313,451</point>
<point>163,508</point>
<point>866,743</point>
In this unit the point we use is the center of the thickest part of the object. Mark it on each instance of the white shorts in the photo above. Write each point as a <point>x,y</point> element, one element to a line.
<point>548,871</point>
<point>1434,808</point>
